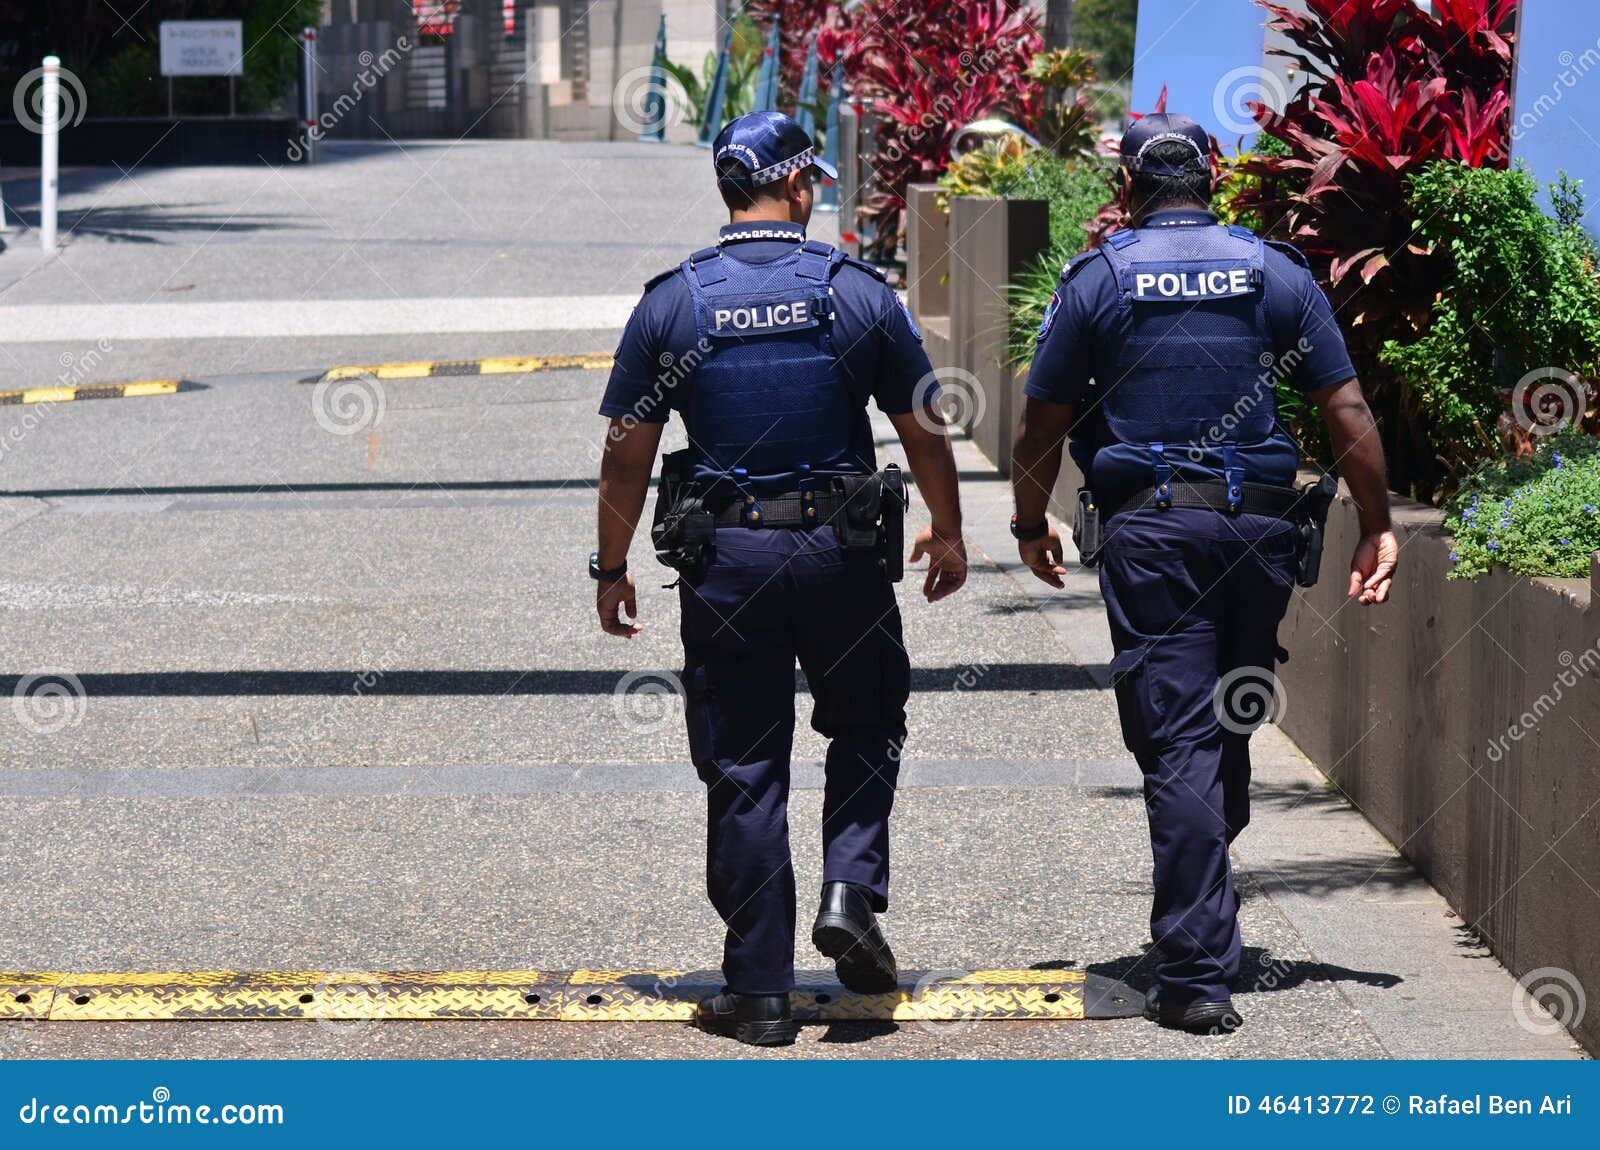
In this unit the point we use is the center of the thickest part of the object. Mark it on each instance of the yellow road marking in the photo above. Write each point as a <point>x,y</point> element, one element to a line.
<point>576,996</point>
<point>433,369</point>
<point>96,391</point>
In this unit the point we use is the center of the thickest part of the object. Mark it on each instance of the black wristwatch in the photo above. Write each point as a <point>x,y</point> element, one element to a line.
<point>596,573</point>
<point>1029,534</point>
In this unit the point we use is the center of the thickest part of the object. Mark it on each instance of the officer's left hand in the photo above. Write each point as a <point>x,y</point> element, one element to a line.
<point>1044,557</point>
<point>947,563</point>
<point>611,598</point>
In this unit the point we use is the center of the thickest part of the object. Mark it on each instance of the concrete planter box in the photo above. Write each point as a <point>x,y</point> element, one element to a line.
<point>928,268</point>
<point>1463,719</point>
<point>991,241</point>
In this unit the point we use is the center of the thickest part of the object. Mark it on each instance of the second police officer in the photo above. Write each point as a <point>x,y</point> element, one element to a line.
<point>770,346</point>
<point>1159,356</point>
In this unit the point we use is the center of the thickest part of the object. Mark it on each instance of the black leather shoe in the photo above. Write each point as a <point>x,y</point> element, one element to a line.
<point>753,1019</point>
<point>847,932</point>
<point>1216,1017</point>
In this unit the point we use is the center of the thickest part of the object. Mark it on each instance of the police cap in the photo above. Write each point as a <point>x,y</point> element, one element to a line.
<point>1147,132</point>
<point>768,145</point>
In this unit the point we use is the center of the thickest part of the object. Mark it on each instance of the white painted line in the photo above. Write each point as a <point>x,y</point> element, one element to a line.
<point>263,319</point>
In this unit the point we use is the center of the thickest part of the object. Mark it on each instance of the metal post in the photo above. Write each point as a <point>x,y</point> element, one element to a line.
<point>711,114</point>
<point>308,88</point>
<point>655,96</point>
<point>50,129</point>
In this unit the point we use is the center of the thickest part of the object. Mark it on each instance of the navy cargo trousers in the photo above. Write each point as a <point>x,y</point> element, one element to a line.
<point>1195,598</point>
<point>771,597</point>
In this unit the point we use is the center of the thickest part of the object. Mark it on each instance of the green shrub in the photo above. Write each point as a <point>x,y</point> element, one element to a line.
<point>1536,514</point>
<point>1523,294</point>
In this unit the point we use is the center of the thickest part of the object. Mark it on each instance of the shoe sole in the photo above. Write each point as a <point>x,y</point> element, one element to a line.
<point>855,960</point>
<point>781,1033</point>
<point>1218,1027</point>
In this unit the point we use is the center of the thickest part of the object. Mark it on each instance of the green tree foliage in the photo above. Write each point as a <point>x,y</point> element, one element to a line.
<point>1523,294</point>
<point>1106,27</point>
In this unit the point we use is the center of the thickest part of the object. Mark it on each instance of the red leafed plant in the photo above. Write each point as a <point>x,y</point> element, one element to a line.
<point>803,21</point>
<point>927,67</point>
<point>1389,88</point>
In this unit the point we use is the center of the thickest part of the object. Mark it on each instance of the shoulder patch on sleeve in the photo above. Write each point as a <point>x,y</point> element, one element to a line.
<point>653,281</point>
<point>910,321</point>
<point>1291,251</point>
<point>1077,264</point>
<point>874,272</point>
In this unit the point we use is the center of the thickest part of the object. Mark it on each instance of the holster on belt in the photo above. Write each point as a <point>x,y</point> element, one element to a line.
<point>1318,499</point>
<point>683,532</point>
<point>874,517</point>
<point>1088,529</point>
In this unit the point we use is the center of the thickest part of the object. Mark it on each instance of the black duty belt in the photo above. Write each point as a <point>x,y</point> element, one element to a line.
<point>1258,499</point>
<point>792,510</point>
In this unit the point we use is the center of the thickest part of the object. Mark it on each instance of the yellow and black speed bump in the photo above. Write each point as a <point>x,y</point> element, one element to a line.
<point>100,391</point>
<point>575,996</point>
<point>433,369</point>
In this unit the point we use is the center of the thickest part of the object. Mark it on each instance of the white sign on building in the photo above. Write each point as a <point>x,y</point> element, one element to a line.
<point>202,48</point>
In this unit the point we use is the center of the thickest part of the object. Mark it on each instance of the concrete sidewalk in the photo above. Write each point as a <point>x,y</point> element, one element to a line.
<point>208,820</point>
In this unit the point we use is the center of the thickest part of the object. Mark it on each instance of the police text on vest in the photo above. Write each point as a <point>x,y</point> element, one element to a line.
<point>1192,285</point>
<point>763,317</point>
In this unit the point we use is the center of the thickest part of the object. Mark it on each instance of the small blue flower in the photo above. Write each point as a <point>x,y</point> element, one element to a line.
<point>1589,507</point>
<point>1455,556</point>
<point>1557,458</point>
<point>1566,543</point>
<point>1494,546</point>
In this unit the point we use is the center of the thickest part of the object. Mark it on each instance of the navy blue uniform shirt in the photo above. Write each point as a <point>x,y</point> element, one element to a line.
<point>880,351</point>
<point>1071,355</point>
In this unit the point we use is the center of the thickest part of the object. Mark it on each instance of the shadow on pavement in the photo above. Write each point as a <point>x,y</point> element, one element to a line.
<point>1260,971</point>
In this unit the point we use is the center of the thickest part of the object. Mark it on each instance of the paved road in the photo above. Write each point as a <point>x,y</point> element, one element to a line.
<point>347,708</point>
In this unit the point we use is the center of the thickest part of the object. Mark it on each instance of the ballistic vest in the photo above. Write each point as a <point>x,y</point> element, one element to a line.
<point>768,396</point>
<point>1192,353</point>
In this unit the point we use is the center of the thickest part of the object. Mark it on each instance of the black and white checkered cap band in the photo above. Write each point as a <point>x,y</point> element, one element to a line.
<point>795,163</point>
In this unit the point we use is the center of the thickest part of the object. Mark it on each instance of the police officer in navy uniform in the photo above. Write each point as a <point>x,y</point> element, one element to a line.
<point>1160,354</point>
<point>769,346</point>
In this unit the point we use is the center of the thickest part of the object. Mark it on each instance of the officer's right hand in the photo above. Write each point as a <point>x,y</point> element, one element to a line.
<point>1372,569</point>
<point>611,598</point>
<point>947,563</point>
<point>1044,557</point>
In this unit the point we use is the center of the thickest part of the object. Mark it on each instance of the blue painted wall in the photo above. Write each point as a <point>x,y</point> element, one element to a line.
<point>1556,121</point>
<point>1209,55</point>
